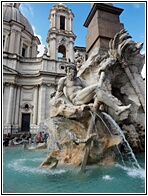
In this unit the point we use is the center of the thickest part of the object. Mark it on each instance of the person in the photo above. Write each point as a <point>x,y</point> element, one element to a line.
<point>43,136</point>
<point>22,136</point>
<point>39,139</point>
<point>79,92</point>
<point>28,136</point>
<point>23,139</point>
<point>7,139</point>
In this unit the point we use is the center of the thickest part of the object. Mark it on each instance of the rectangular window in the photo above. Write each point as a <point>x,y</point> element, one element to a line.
<point>24,50</point>
<point>4,41</point>
<point>62,22</point>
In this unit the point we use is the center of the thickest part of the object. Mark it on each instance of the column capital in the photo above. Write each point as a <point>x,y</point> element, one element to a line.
<point>43,84</point>
<point>9,84</point>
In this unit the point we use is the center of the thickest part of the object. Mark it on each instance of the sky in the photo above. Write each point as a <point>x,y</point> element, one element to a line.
<point>133,18</point>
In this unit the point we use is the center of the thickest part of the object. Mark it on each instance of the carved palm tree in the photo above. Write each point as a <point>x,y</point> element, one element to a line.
<point>123,49</point>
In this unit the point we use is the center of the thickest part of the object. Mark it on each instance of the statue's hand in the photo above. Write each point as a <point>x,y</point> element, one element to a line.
<point>106,64</point>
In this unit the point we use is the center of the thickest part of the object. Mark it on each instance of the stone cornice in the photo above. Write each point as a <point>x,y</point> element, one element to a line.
<point>21,59</point>
<point>12,71</point>
<point>103,7</point>
<point>12,22</point>
<point>61,32</point>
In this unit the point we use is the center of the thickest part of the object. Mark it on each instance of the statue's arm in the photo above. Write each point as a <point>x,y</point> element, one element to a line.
<point>106,63</point>
<point>83,82</point>
<point>60,87</point>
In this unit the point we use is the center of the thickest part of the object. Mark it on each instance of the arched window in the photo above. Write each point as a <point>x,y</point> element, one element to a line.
<point>62,51</point>
<point>25,47</point>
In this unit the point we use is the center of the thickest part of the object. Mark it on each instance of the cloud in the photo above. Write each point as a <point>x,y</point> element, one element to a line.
<point>26,9</point>
<point>30,9</point>
<point>136,5</point>
<point>41,49</point>
<point>143,73</point>
<point>41,46</point>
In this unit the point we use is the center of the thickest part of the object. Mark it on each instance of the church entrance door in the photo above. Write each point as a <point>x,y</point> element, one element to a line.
<point>25,122</point>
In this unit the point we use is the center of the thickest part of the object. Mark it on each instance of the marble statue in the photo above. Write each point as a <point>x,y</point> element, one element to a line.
<point>78,92</point>
<point>79,132</point>
<point>78,59</point>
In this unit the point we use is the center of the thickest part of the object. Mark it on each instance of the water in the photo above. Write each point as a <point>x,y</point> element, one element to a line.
<point>110,132</point>
<point>21,174</point>
<point>129,149</point>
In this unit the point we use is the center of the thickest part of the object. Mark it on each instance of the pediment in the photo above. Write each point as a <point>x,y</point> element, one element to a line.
<point>8,70</point>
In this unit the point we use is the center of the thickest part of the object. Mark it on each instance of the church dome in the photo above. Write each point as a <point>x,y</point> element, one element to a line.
<point>12,13</point>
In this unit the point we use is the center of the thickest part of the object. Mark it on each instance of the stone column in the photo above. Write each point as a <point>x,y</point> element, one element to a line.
<point>66,24</point>
<point>42,98</point>
<point>53,48</point>
<point>17,108</point>
<point>14,103</point>
<point>51,21</point>
<point>10,105</point>
<point>35,105</point>
<point>54,20</point>
<point>58,21</point>
<point>70,24</point>
<point>34,51</point>
<point>5,43</point>
<point>12,41</point>
<point>21,46</point>
<point>5,101</point>
<point>17,43</point>
<point>71,51</point>
<point>27,52</point>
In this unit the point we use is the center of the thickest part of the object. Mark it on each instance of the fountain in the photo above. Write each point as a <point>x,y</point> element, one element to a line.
<point>88,130</point>
<point>97,107</point>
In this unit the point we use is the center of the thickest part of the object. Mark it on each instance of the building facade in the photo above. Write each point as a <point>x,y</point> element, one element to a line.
<point>29,80</point>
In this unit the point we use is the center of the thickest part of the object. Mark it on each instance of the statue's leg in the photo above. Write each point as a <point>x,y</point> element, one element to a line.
<point>104,98</point>
<point>85,95</point>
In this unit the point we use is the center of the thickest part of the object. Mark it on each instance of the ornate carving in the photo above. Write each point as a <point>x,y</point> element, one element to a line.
<point>9,84</point>
<point>26,106</point>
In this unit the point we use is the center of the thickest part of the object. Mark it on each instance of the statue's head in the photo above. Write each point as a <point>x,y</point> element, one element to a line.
<point>71,66</point>
<point>71,71</point>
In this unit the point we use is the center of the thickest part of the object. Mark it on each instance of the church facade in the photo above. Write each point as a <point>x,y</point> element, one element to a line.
<point>28,80</point>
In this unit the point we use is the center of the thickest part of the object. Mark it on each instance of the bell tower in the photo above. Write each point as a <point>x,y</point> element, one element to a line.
<point>60,35</point>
